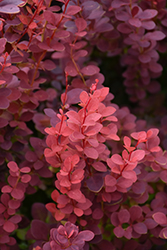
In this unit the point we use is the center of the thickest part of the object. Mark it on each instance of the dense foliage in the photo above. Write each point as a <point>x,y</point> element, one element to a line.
<point>78,171</point>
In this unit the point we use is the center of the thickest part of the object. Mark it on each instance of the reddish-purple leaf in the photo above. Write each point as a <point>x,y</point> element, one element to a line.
<point>78,211</point>
<point>13,166</point>
<point>25,170</point>
<point>155,35</point>
<point>6,189</point>
<point>95,183</point>
<point>160,218</point>
<point>135,212</point>
<point>75,194</point>
<point>97,214</point>
<point>137,155</point>
<point>9,226</point>
<point>71,70</point>
<point>129,174</point>
<point>2,44</point>
<point>99,166</point>
<point>39,211</point>
<point>72,10</point>
<point>135,22</point>
<point>155,67</point>
<point>163,176</point>
<point>2,208</point>
<point>140,228</point>
<point>124,183</point>
<point>148,14</point>
<point>119,231</point>
<point>90,70</point>
<point>39,230</point>
<point>85,235</point>
<point>134,10</point>
<point>110,180</point>
<point>57,46</point>
<point>25,178</point>
<point>117,159</point>
<point>10,6</point>
<point>80,23</point>
<point>123,216</point>
<point>163,233</point>
<point>77,176</point>
<point>91,153</point>
<point>3,122</point>
<point>14,204</point>
<point>150,223</point>
<point>15,219</point>
<point>124,28</point>
<point>17,194</point>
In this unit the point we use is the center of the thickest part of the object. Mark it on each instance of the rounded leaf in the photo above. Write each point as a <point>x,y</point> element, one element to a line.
<point>140,228</point>
<point>9,226</point>
<point>160,218</point>
<point>86,235</point>
<point>17,194</point>
<point>13,166</point>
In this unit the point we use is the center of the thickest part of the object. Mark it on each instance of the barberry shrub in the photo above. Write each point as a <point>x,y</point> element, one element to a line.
<point>78,171</point>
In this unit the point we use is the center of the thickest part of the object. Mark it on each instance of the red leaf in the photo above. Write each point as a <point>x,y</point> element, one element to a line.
<point>84,97</point>
<point>25,178</point>
<point>148,14</point>
<point>75,194</point>
<point>25,170</point>
<point>77,176</point>
<point>127,141</point>
<point>155,35</point>
<point>57,46</point>
<point>71,70</point>
<point>72,10</point>
<point>91,153</point>
<point>141,136</point>
<point>73,117</point>
<point>9,226</point>
<point>3,122</point>
<point>17,194</point>
<point>2,44</point>
<point>110,180</point>
<point>6,189</point>
<point>77,135</point>
<point>135,22</point>
<point>78,211</point>
<point>160,218</point>
<point>140,228</point>
<point>90,70</point>
<point>124,183</point>
<point>137,155</point>
<point>117,159</point>
<point>86,235</point>
<point>55,194</point>
<point>123,216</point>
<point>97,214</point>
<point>14,204</point>
<point>49,65</point>
<point>2,208</point>
<point>13,166</point>
<point>49,16</point>
<point>119,231</point>
<point>135,10</point>
<point>129,174</point>
<point>99,166</point>
<point>80,23</point>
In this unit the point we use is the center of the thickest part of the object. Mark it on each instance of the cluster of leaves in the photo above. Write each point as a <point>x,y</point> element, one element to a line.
<point>102,171</point>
